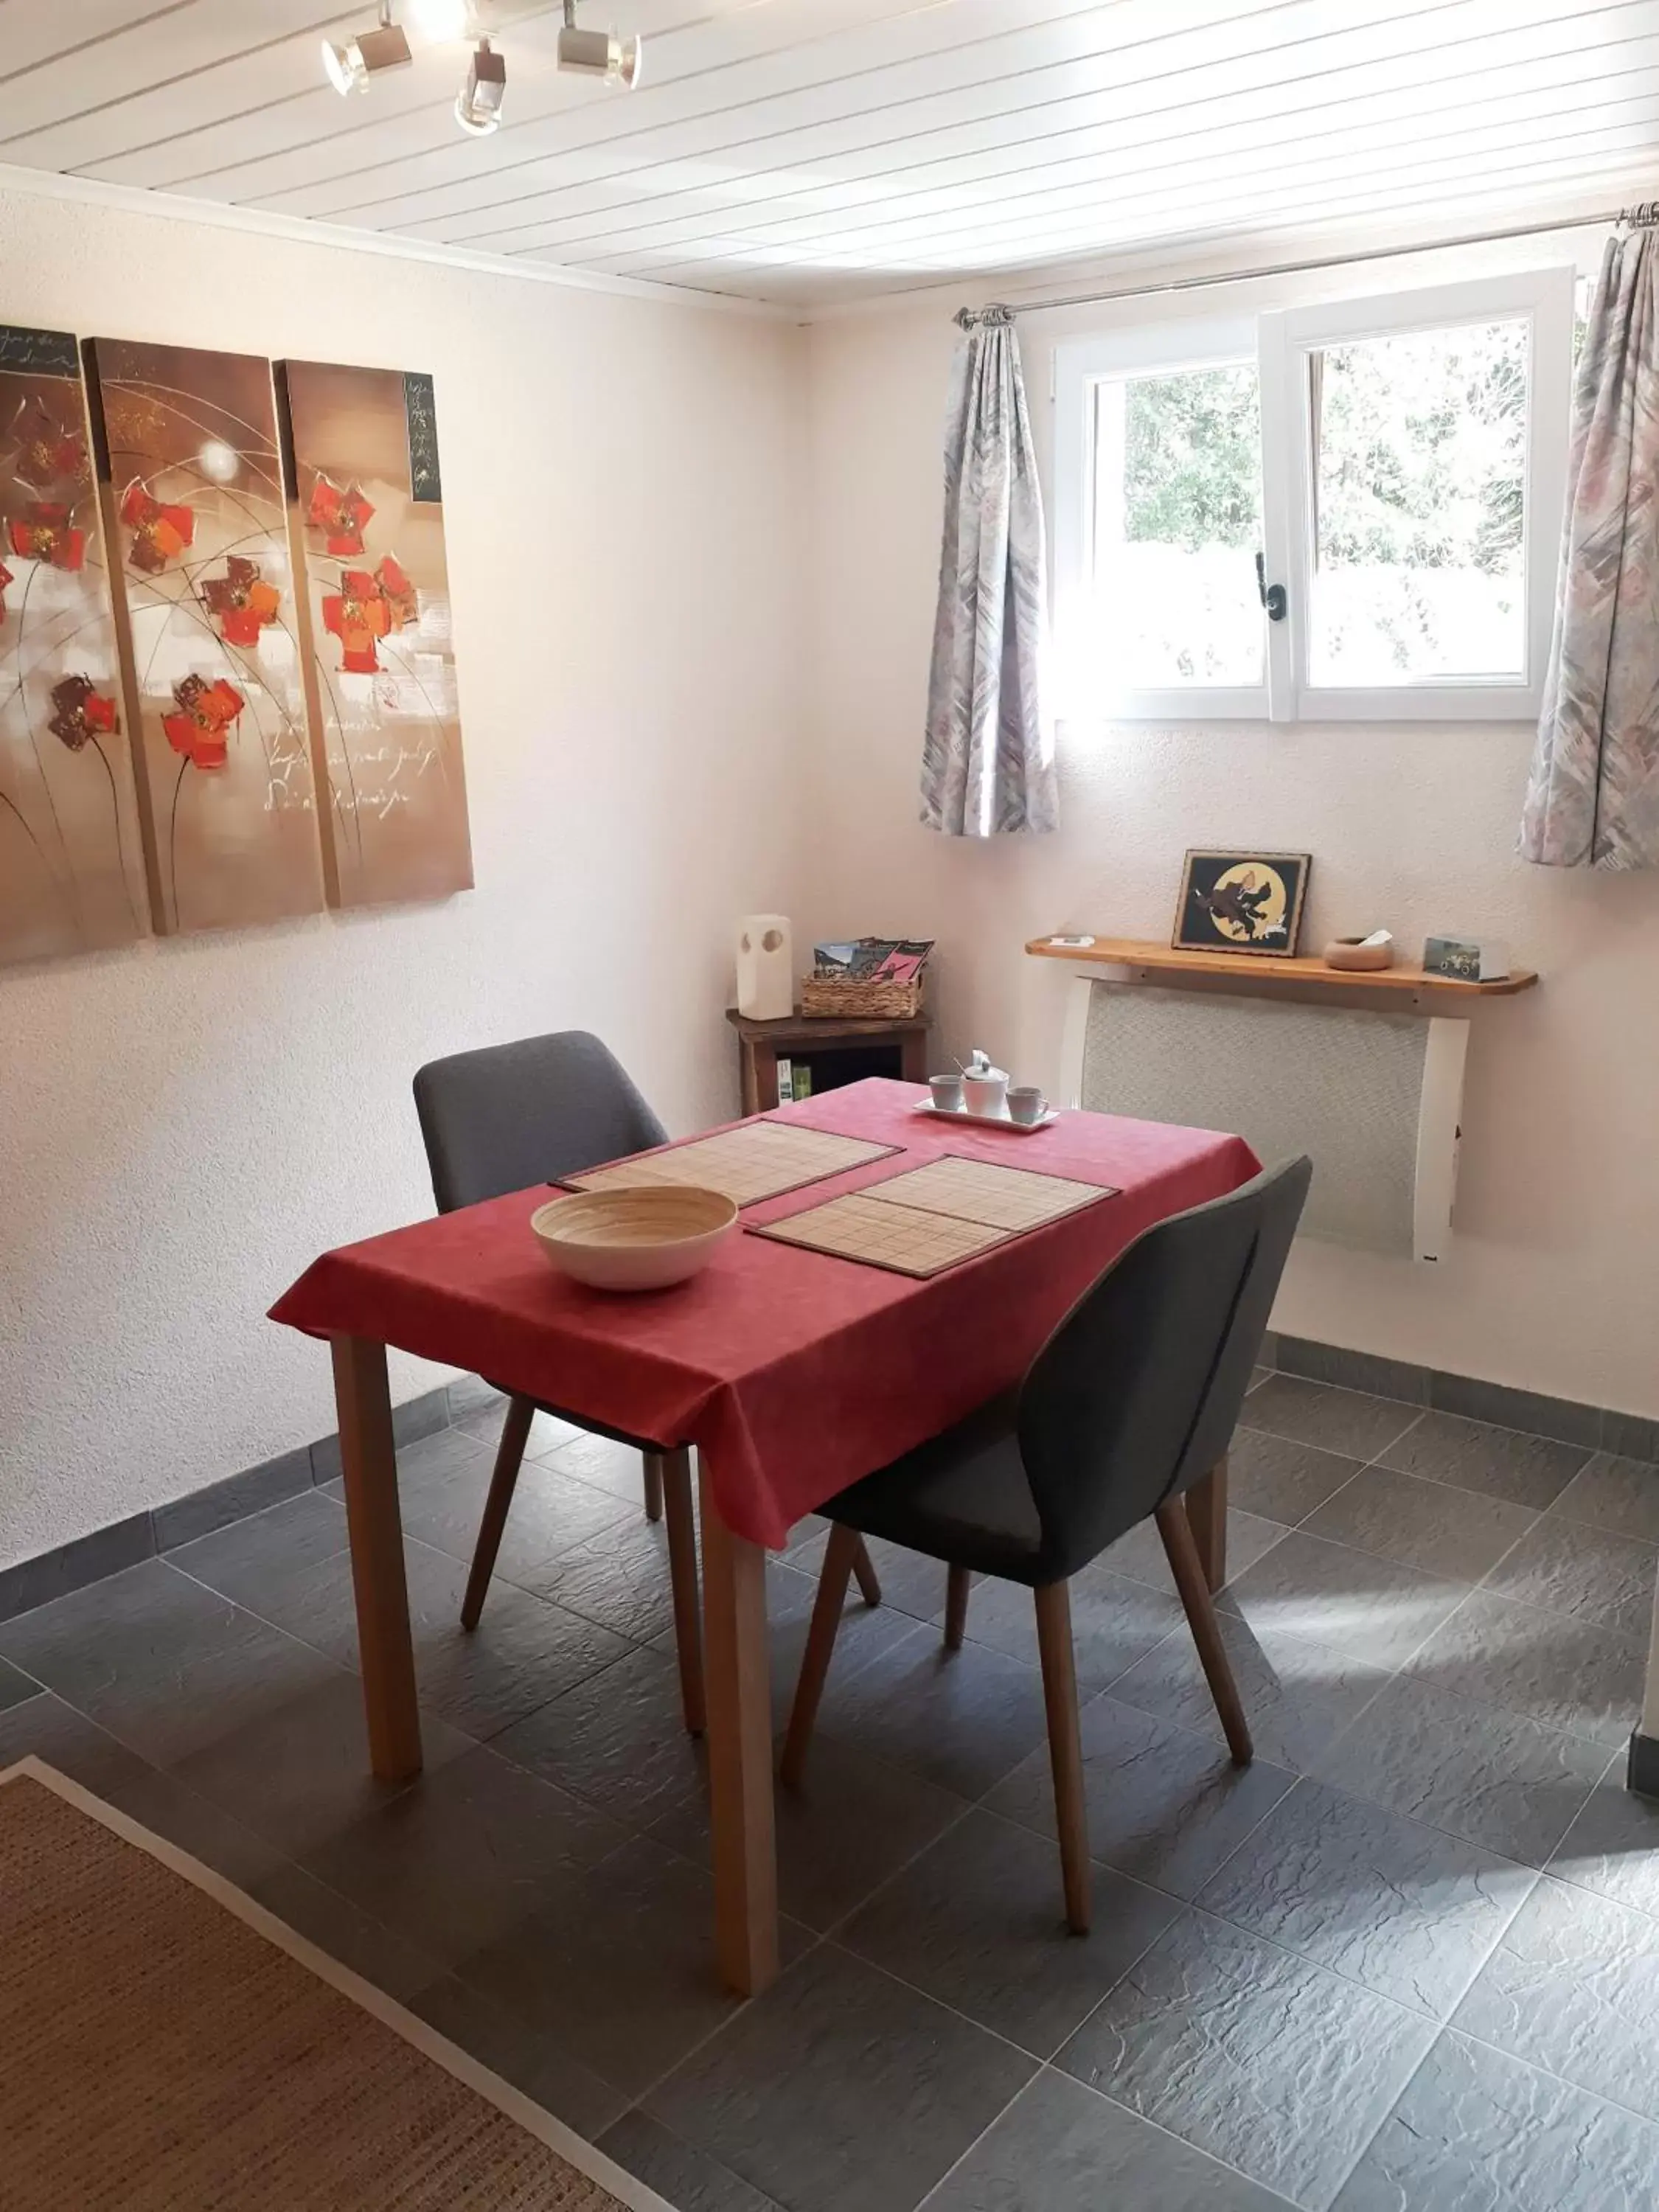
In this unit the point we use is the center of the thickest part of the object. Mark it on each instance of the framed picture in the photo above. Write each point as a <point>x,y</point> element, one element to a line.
<point>1242,903</point>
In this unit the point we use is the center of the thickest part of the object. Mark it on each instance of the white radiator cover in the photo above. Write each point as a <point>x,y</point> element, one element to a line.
<point>1375,1099</point>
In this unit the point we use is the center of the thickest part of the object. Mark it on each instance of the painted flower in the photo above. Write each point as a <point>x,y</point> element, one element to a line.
<point>199,728</point>
<point>160,533</point>
<point>45,451</point>
<point>80,712</point>
<point>341,515</point>
<point>241,600</point>
<point>368,608</point>
<point>43,531</point>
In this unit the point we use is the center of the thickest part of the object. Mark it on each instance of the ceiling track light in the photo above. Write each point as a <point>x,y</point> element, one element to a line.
<point>478,102</point>
<point>350,67</point>
<point>600,53</point>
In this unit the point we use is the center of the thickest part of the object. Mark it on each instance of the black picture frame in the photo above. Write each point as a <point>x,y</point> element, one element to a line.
<point>1263,896</point>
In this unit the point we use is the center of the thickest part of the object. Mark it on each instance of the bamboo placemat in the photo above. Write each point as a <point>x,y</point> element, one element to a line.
<point>934,1217</point>
<point>171,2047</point>
<point>757,1160</point>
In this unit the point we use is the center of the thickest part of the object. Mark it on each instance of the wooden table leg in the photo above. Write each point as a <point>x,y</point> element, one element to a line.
<point>739,1700</point>
<point>386,1653</point>
<point>1207,1509</point>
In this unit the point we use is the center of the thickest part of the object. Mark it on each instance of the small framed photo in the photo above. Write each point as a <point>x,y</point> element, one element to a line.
<point>1242,903</point>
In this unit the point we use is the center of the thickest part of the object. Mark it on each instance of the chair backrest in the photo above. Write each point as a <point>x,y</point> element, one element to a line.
<point>513,1115</point>
<point>1136,1394</point>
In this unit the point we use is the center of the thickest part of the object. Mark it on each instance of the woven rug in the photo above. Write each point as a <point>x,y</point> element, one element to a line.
<point>167,2045</point>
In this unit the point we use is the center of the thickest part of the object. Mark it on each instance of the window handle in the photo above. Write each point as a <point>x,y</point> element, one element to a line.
<point>1274,596</point>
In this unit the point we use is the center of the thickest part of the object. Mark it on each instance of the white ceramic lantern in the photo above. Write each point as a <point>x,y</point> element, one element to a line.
<point>766,968</point>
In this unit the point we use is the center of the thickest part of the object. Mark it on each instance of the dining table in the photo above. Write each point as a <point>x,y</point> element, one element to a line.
<point>792,1372</point>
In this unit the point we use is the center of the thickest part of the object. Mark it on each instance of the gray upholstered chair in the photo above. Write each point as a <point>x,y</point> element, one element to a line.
<point>1129,1405</point>
<point>499,1120</point>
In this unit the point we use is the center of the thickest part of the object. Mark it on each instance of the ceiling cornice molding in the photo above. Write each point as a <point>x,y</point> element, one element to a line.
<point>306,230</point>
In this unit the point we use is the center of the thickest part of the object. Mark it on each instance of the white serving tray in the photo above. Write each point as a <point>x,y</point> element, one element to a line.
<point>1003,1120</point>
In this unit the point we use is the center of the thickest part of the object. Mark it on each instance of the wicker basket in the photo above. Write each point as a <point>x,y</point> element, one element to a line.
<point>849,1001</point>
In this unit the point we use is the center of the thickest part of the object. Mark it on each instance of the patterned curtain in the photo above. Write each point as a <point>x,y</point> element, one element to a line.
<point>1593,800</point>
<point>988,761</point>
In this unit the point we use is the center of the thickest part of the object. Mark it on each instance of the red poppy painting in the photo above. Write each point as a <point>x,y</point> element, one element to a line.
<point>376,631</point>
<point>71,872</point>
<point>193,462</point>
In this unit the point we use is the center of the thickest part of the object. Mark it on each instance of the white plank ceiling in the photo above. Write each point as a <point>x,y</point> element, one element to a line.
<point>813,151</point>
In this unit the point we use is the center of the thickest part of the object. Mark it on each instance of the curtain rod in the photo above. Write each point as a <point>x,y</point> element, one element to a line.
<point>1645,212</point>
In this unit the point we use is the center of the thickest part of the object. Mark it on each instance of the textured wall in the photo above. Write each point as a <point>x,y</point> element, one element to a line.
<point>182,1127</point>
<point>1551,1285</point>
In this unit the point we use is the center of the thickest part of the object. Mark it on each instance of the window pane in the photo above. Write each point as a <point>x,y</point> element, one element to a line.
<point>1420,449</point>
<point>1177,523</point>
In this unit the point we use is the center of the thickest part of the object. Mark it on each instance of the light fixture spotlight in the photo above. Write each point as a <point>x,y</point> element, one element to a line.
<point>386,47</point>
<point>478,102</point>
<point>600,53</point>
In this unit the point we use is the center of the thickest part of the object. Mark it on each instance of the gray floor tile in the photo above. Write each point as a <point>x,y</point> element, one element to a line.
<point>466,1856</point>
<point>1280,1479</point>
<point>1257,2057</point>
<point>1527,1470</point>
<point>1298,1696</point>
<point>551,1512</point>
<point>269,1551</point>
<point>1614,1845</point>
<point>1353,1371</point>
<point>1477,1772</point>
<point>1163,1804</point>
<point>299,1773</point>
<point>683,2176</point>
<point>46,1728</point>
<point>852,1822</point>
<point>961,1719</point>
<point>618,1578</point>
<point>596,1461</point>
<point>864,1630</point>
<point>978,1921</point>
<point>1620,1495</point>
<point>841,2090</point>
<point>1372,1608</point>
<point>1532,1411</point>
<point>162,1804</point>
<point>1565,1673</point>
<point>164,1664</point>
<point>1141,1553</point>
<point>1574,1988</point>
<point>1114,1622</point>
<point>1477,2129</point>
<point>1057,2143</point>
<point>15,1687</point>
<point>1409,1911</point>
<point>618,1968</point>
<point>1347,1422</point>
<point>910,1582</point>
<point>482,1423</point>
<point>1458,1533</point>
<point>617,1740</point>
<point>347,1933</point>
<point>1585,1574</point>
<point>523,2055</point>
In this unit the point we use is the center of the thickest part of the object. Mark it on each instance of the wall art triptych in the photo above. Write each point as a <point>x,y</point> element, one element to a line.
<point>227,683</point>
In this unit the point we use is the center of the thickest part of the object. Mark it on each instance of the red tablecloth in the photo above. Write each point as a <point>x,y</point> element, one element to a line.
<point>793,1372</point>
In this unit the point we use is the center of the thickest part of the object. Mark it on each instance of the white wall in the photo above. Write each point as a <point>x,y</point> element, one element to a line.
<point>183,1127</point>
<point>1551,1285</point>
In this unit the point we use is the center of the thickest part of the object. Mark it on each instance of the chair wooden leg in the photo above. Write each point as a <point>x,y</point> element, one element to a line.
<point>955,1608</point>
<point>653,1488</point>
<point>864,1568</point>
<point>675,1470</point>
<point>1207,1510</point>
<point>509,1456</point>
<point>1181,1552</point>
<point>843,1546</point>
<point>1054,1621</point>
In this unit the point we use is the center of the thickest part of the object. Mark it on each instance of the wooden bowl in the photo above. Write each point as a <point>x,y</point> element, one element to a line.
<point>633,1240</point>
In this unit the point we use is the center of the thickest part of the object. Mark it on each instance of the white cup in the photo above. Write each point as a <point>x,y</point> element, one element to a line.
<point>1026,1105</point>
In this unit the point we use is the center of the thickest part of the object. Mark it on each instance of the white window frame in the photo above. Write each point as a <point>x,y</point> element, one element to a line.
<point>1281,342</point>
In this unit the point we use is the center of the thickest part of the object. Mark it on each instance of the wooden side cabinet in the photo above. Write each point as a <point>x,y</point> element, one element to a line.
<point>832,1050</point>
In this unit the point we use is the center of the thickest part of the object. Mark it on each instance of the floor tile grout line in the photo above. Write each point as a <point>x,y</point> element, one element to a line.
<point>1158,2126</point>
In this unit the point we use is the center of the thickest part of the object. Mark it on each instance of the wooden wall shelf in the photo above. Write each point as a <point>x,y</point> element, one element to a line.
<point>1405,979</point>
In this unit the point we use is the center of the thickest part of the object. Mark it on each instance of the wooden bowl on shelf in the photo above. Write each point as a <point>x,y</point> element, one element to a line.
<point>633,1240</point>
